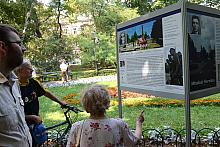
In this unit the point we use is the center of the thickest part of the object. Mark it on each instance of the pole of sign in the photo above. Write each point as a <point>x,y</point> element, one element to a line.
<point>118,77</point>
<point>95,39</point>
<point>119,102</point>
<point>187,76</point>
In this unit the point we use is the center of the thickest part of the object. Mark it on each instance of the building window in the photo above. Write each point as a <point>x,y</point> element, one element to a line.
<point>65,31</point>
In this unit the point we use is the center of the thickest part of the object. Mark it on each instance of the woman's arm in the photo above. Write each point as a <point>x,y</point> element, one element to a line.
<point>139,122</point>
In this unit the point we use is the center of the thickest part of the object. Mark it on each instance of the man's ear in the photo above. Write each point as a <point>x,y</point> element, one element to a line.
<point>2,48</point>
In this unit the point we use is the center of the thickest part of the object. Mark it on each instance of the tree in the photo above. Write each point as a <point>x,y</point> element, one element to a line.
<point>142,6</point>
<point>103,53</point>
<point>212,3</point>
<point>46,54</point>
<point>156,33</point>
<point>145,6</point>
<point>12,13</point>
<point>31,4</point>
<point>105,17</point>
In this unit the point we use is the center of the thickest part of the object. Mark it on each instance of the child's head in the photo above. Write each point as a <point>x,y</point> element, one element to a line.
<point>95,99</point>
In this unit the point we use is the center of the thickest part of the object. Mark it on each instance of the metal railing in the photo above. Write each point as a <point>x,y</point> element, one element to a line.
<point>168,137</point>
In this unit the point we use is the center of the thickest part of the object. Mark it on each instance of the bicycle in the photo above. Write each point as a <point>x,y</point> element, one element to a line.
<point>59,137</point>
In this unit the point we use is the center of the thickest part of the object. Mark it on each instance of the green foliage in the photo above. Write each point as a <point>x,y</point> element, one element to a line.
<point>162,3</point>
<point>103,52</point>
<point>41,32</point>
<point>12,13</point>
<point>112,16</point>
<point>47,54</point>
<point>105,17</point>
<point>144,6</point>
<point>209,3</point>
<point>41,29</point>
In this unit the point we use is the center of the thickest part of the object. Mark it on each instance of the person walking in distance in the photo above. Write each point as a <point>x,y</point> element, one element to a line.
<point>64,70</point>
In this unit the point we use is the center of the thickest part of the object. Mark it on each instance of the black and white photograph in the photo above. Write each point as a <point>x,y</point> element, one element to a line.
<point>201,44</point>
<point>122,63</point>
<point>195,25</point>
<point>173,67</point>
<point>122,41</point>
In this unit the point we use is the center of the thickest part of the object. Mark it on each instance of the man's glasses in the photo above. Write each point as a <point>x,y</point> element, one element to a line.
<point>30,69</point>
<point>20,43</point>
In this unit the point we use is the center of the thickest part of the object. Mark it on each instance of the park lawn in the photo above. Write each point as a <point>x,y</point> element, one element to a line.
<point>155,117</point>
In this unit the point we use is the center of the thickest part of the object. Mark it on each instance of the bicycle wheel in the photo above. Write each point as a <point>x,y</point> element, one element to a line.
<point>56,138</point>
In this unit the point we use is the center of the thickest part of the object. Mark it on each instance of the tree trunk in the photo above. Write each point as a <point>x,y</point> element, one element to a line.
<point>27,18</point>
<point>37,25</point>
<point>59,27</point>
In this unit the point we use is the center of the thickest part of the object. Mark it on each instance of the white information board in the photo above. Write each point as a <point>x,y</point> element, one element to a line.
<point>153,52</point>
<point>150,55</point>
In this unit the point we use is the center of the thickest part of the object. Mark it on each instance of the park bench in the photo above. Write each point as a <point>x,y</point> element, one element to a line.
<point>74,70</point>
<point>49,76</point>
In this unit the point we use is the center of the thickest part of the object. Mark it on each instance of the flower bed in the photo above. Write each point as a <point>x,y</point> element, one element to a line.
<point>113,91</point>
<point>143,100</point>
<point>71,99</point>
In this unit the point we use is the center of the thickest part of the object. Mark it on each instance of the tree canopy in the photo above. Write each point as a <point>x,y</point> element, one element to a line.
<point>41,27</point>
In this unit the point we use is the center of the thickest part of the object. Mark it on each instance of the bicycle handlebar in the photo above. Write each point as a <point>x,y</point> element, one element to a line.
<point>67,121</point>
<point>72,108</point>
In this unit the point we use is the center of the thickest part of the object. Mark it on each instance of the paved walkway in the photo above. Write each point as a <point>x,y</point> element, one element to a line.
<point>80,81</point>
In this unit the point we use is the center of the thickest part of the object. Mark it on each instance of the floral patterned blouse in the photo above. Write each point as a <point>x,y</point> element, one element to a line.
<point>107,132</point>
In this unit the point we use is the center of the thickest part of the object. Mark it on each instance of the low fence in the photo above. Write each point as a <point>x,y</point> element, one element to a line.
<point>56,76</point>
<point>169,137</point>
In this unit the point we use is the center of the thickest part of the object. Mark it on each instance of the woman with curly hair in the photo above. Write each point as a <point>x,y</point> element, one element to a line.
<point>99,130</point>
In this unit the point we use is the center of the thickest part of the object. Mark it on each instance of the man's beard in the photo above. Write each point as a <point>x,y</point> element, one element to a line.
<point>13,63</point>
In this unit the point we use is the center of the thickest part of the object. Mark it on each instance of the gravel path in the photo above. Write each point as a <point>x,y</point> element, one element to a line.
<point>80,81</point>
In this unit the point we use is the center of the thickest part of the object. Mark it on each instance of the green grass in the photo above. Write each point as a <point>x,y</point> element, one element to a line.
<point>201,116</point>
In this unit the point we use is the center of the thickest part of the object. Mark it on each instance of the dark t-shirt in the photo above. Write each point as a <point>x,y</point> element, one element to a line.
<point>30,94</point>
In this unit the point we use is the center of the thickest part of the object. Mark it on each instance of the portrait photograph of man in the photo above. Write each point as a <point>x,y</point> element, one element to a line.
<point>122,39</point>
<point>202,51</point>
<point>196,26</point>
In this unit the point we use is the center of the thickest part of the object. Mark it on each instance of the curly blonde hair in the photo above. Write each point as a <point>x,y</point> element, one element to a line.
<point>95,99</point>
<point>25,64</point>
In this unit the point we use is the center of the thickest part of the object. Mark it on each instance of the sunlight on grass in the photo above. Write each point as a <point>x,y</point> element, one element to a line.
<point>54,116</point>
<point>84,114</point>
<point>111,109</point>
<point>54,104</point>
<point>138,99</point>
<point>48,103</point>
<point>109,83</point>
